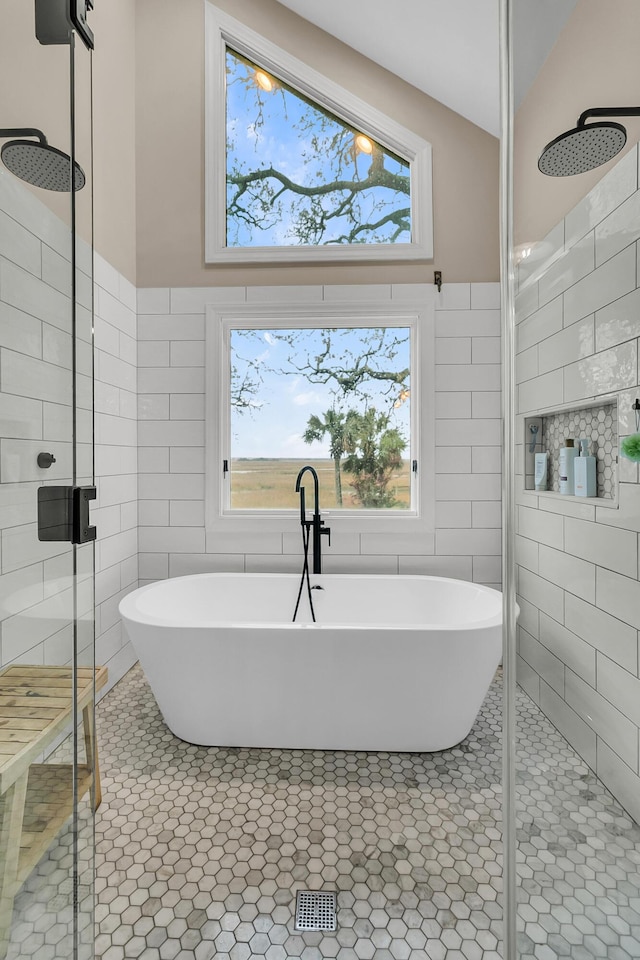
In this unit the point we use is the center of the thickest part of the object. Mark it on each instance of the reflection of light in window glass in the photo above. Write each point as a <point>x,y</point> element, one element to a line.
<point>336,398</point>
<point>299,176</point>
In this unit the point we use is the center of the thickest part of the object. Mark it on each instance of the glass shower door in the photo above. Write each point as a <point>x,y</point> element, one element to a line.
<point>572,826</point>
<point>48,756</point>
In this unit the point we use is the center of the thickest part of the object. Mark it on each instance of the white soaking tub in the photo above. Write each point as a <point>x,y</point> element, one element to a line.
<point>393,663</point>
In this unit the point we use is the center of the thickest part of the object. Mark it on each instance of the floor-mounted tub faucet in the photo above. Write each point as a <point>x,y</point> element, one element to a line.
<point>316,523</point>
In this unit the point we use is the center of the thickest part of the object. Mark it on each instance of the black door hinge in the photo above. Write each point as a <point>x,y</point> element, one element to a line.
<point>56,19</point>
<point>63,514</point>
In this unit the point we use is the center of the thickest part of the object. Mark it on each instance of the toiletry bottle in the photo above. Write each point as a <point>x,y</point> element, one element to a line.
<point>584,472</point>
<point>567,459</point>
<point>542,468</point>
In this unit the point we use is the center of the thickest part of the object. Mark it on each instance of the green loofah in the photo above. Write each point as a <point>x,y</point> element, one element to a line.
<point>630,447</point>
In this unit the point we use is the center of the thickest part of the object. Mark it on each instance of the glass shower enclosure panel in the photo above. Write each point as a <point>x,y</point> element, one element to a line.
<point>576,683</point>
<point>48,757</point>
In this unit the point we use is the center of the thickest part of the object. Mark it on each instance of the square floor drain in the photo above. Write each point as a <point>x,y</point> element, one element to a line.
<point>315,910</point>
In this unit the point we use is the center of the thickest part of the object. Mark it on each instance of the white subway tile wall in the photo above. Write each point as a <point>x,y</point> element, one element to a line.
<point>116,452</point>
<point>149,438</point>
<point>579,338</point>
<point>171,411</point>
<point>35,407</point>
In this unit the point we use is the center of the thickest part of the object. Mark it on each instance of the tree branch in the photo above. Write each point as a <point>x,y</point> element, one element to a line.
<point>377,178</point>
<point>396,216</point>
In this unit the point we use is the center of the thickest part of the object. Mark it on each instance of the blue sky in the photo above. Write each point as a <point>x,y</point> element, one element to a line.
<point>286,399</point>
<point>291,136</point>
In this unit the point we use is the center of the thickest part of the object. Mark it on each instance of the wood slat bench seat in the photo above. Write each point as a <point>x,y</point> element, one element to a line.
<point>36,799</point>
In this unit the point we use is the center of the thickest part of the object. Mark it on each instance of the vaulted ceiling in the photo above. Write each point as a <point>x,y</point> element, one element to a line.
<point>449,49</point>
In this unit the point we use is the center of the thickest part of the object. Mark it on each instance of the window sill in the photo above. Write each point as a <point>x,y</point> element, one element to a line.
<point>358,253</point>
<point>285,523</point>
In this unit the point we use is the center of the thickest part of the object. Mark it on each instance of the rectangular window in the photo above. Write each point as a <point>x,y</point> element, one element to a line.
<point>337,398</point>
<point>345,388</point>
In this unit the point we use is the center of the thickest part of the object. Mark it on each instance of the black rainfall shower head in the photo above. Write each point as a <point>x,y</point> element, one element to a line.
<point>582,149</point>
<point>588,145</point>
<point>39,164</point>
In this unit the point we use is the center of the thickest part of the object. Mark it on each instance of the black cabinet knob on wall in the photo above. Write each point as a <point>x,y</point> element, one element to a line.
<point>45,460</point>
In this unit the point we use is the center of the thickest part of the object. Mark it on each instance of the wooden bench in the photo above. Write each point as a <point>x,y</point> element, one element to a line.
<point>36,799</point>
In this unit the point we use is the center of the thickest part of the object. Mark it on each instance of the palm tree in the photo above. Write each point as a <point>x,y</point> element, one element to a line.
<point>374,454</point>
<point>332,425</point>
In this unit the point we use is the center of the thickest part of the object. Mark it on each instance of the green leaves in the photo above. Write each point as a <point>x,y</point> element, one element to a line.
<point>373,453</point>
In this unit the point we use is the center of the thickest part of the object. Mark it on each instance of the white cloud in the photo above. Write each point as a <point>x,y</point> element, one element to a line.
<point>305,399</point>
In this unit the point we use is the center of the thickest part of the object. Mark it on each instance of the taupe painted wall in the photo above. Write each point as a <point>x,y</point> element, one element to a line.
<point>113,22</point>
<point>594,63</point>
<point>170,154</point>
<point>34,92</point>
<point>34,86</point>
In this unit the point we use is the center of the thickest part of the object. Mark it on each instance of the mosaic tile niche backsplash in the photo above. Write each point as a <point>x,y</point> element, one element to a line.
<point>599,425</point>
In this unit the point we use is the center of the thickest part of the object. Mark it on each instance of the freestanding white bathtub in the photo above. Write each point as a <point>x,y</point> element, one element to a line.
<point>393,663</point>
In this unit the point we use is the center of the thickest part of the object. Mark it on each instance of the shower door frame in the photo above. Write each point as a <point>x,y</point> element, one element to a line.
<point>508,403</point>
<point>82,539</point>
<point>68,575</point>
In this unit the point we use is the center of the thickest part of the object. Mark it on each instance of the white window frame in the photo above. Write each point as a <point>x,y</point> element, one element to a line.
<point>419,317</point>
<point>221,31</point>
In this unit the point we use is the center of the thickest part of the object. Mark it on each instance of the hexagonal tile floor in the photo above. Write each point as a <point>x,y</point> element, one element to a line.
<point>200,851</point>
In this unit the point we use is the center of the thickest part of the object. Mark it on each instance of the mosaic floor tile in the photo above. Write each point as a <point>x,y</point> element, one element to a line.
<point>218,842</point>
<point>201,851</point>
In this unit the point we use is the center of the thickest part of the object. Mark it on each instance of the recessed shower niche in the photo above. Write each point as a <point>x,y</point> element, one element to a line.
<point>546,432</point>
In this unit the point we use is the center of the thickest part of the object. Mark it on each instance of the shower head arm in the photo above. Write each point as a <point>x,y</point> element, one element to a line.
<point>24,132</point>
<point>607,112</point>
